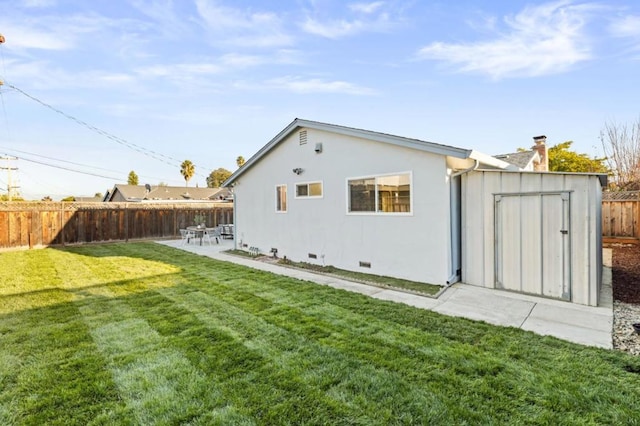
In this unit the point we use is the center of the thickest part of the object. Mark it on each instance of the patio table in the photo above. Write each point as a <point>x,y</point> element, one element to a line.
<point>198,230</point>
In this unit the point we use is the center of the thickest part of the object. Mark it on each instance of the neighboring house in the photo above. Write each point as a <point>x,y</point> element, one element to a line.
<point>134,193</point>
<point>94,199</point>
<point>529,161</point>
<point>388,205</point>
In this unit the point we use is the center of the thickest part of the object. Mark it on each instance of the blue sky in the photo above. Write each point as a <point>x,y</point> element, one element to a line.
<point>209,80</point>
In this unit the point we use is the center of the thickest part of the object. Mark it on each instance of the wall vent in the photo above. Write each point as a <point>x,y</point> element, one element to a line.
<point>313,256</point>
<point>365,264</point>
<point>303,137</point>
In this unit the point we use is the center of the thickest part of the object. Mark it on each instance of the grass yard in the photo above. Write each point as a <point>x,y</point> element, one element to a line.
<point>144,334</point>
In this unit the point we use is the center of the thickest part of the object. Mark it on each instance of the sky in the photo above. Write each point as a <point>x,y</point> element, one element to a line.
<point>95,89</point>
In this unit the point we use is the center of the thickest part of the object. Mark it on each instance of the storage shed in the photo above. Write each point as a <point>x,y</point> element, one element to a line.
<point>534,233</point>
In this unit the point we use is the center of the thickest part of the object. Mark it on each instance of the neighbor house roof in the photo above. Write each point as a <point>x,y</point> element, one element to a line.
<point>417,144</point>
<point>121,192</point>
<point>521,159</point>
<point>93,199</point>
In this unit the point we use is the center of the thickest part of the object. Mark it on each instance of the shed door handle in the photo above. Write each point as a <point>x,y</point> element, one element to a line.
<point>564,231</point>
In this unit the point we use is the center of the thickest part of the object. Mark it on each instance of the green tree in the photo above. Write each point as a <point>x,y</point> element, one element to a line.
<point>69,198</point>
<point>240,161</point>
<point>98,195</point>
<point>562,159</point>
<point>217,177</point>
<point>5,197</point>
<point>133,178</point>
<point>187,170</point>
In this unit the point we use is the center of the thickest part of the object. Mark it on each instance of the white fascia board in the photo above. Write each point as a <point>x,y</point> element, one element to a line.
<point>491,161</point>
<point>348,131</point>
<point>417,144</point>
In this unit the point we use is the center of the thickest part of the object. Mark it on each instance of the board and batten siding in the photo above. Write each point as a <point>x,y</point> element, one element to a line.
<point>480,194</point>
<point>413,246</point>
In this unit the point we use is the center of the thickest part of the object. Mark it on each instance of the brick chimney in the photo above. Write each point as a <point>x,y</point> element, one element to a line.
<point>541,146</point>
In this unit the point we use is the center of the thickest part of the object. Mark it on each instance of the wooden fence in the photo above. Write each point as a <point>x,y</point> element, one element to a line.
<point>37,224</point>
<point>621,217</point>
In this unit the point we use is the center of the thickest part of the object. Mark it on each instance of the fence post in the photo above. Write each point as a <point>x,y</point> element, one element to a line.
<point>61,224</point>
<point>638,217</point>
<point>126,223</point>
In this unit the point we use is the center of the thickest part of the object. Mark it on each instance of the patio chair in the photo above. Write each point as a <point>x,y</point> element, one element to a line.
<point>212,232</point>
<point>186,236</point>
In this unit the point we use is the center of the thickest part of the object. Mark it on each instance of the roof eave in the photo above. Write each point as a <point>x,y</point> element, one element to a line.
<point>492,161</point>
<point>347,131</point>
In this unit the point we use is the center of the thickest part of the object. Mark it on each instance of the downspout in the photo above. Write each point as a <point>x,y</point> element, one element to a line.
<point>235,220</point>
<point>455,276</point>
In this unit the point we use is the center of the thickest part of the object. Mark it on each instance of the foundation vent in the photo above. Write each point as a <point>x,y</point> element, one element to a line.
<point>365,264</point>
<point>313,256</point>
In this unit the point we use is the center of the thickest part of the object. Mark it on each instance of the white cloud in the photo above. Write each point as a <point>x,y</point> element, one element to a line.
<point>366,7</point>
<point>363,17</point>
<point>334,29</point>
<point>317,85</point>
<point>25,36</point>
<point>38,3</point>
<point>627,26</point>
<point>242,27</point>
<point>544,39</point>
<point>53,32</point>
<point>237,60</point>
<point>166,21</point>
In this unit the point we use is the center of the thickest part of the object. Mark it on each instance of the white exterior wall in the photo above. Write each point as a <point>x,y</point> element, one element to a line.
<point>478,225</point>
<point>415,246</point>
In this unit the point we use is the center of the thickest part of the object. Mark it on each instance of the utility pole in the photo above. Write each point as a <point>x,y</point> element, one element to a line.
<point>10,187</point>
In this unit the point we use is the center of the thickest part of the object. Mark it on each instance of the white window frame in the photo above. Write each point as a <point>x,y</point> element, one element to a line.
<point>278,201</point>
<point>304,197</point>
<point>375,177</point>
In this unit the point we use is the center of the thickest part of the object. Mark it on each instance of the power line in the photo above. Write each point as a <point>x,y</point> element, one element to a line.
<point>149,153</point>
<point>9,149</point>
<point>56,159</point>
<point>71,170</point>
<point>11,188</point>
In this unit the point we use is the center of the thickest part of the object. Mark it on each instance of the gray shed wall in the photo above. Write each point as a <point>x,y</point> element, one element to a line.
<point>482,264</point>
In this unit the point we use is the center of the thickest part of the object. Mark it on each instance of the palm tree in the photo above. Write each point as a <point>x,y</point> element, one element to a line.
<point>133,178</point>
<point>187,170</point>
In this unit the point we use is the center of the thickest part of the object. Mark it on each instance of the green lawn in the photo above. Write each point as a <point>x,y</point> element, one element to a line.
<point>145,334</point>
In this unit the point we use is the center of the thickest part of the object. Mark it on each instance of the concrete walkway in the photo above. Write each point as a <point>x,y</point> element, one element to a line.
<point>585,325</point>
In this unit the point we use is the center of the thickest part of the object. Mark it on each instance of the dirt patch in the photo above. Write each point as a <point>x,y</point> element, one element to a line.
<point>626,273</point>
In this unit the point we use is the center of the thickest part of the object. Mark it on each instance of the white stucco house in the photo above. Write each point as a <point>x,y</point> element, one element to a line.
<point>395,206</point>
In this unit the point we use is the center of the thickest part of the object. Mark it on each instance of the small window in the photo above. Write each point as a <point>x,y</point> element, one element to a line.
<point>281,198</point>
<point>309,190</point>
<point>380,194</point>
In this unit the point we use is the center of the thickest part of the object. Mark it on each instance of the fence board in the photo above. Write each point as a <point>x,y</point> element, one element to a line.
<point>26,224</point>
<point>621,218</point>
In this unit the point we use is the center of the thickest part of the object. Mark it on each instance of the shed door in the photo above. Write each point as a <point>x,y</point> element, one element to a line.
<point>532,243</point>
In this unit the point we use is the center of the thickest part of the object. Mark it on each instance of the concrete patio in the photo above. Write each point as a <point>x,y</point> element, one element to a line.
<point>591,326</point>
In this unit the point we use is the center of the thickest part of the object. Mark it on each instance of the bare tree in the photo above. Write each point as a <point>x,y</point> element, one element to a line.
<point>621,145</point>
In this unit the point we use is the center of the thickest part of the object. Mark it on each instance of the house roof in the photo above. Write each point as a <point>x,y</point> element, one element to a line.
<point>520,159</point>
<point>417,144</point>
<point>93,199</point>
<point>167,193</point>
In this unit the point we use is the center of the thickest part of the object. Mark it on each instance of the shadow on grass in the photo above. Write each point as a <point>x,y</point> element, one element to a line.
<point>213,342</point>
